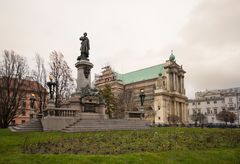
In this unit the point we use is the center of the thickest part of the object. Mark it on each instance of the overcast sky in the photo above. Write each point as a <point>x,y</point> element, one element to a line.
<point>131,34</point>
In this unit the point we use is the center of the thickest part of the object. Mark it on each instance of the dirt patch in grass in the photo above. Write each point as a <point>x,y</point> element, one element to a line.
<point>120,142</point>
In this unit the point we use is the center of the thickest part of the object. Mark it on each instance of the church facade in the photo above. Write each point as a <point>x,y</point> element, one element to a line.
<point>162,86</point>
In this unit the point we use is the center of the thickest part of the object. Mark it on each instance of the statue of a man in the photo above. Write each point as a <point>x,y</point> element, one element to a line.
<point>85,47</point>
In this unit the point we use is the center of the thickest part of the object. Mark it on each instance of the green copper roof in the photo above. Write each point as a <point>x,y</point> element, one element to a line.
<point>141,75</point>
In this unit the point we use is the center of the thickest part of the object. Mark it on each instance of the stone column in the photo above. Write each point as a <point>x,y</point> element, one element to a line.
<point>178,109</point>
<point>177,82</point>
<point>183,85</point>
<point>184,112</point>
<point>168,80</point>
<point>174,81</point>
<point>175,107</point>
<point>84,74</point>
<point>180,84</point>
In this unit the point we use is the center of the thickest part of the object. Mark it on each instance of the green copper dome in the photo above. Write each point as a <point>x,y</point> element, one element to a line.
<point>172,57</point>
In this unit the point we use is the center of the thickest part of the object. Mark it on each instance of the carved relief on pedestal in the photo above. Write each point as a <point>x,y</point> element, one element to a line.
<point>86,71</point>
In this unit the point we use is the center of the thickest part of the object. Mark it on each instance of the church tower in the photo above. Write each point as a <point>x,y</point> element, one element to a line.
<point>170,101</point>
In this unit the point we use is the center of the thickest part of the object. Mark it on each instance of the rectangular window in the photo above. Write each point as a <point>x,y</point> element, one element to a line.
<point>215,111</point>
<point>199,110</point>
<point>208,111</point>
<point>193,103</point>
<point>13,122</point>
<point>215,102</point>
<point>194,111</point>
<point>230,99</point>
<point>23,108</point>
<point>24,104</point>
<point>199,103</point>
<point>24,113</point>
<point>208,102</point>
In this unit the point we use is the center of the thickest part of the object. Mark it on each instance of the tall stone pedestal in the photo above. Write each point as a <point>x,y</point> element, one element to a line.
<point>84,74</point>
<point>86,100</point>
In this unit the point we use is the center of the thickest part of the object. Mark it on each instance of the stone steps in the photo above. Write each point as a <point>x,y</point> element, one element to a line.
<point>105,125</point>
<point>32,125</point>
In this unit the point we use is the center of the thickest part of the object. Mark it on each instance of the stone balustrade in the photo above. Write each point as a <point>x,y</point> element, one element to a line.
<point>60,112</point>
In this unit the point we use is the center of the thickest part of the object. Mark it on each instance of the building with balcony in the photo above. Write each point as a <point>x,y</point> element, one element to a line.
<point>211,102</point>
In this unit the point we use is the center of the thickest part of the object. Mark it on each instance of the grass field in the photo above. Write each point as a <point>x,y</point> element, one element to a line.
<point>157,145</point>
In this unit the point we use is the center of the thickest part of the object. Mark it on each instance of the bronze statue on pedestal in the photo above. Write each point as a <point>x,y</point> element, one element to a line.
<point>85,47</point>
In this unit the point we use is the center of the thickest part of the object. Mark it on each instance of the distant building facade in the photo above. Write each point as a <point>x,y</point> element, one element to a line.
<point>32,90</point>
<point>211,102</point>
<point>163,86</point>
<point>27,90</point>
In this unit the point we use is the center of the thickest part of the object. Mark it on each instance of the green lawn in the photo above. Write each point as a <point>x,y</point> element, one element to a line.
<point>157,145</point>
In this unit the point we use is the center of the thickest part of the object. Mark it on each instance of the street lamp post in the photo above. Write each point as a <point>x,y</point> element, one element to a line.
<point>142,96</point>
<point>238,116</point>
<point>238,109</point>
<point>51,86</point>
<point>32,101</point>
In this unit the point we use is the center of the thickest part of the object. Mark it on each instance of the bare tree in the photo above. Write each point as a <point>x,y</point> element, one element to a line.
<point>39,75</point>
<point>13,71</point>
<point>62,74</point>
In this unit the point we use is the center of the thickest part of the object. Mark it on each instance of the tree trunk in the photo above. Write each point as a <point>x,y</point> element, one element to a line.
<point>4,124</point>
<point>110,115</point>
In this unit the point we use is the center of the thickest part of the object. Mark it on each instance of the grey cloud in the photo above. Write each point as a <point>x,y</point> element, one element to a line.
<point>214,23</point>
<point>210,47</point>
